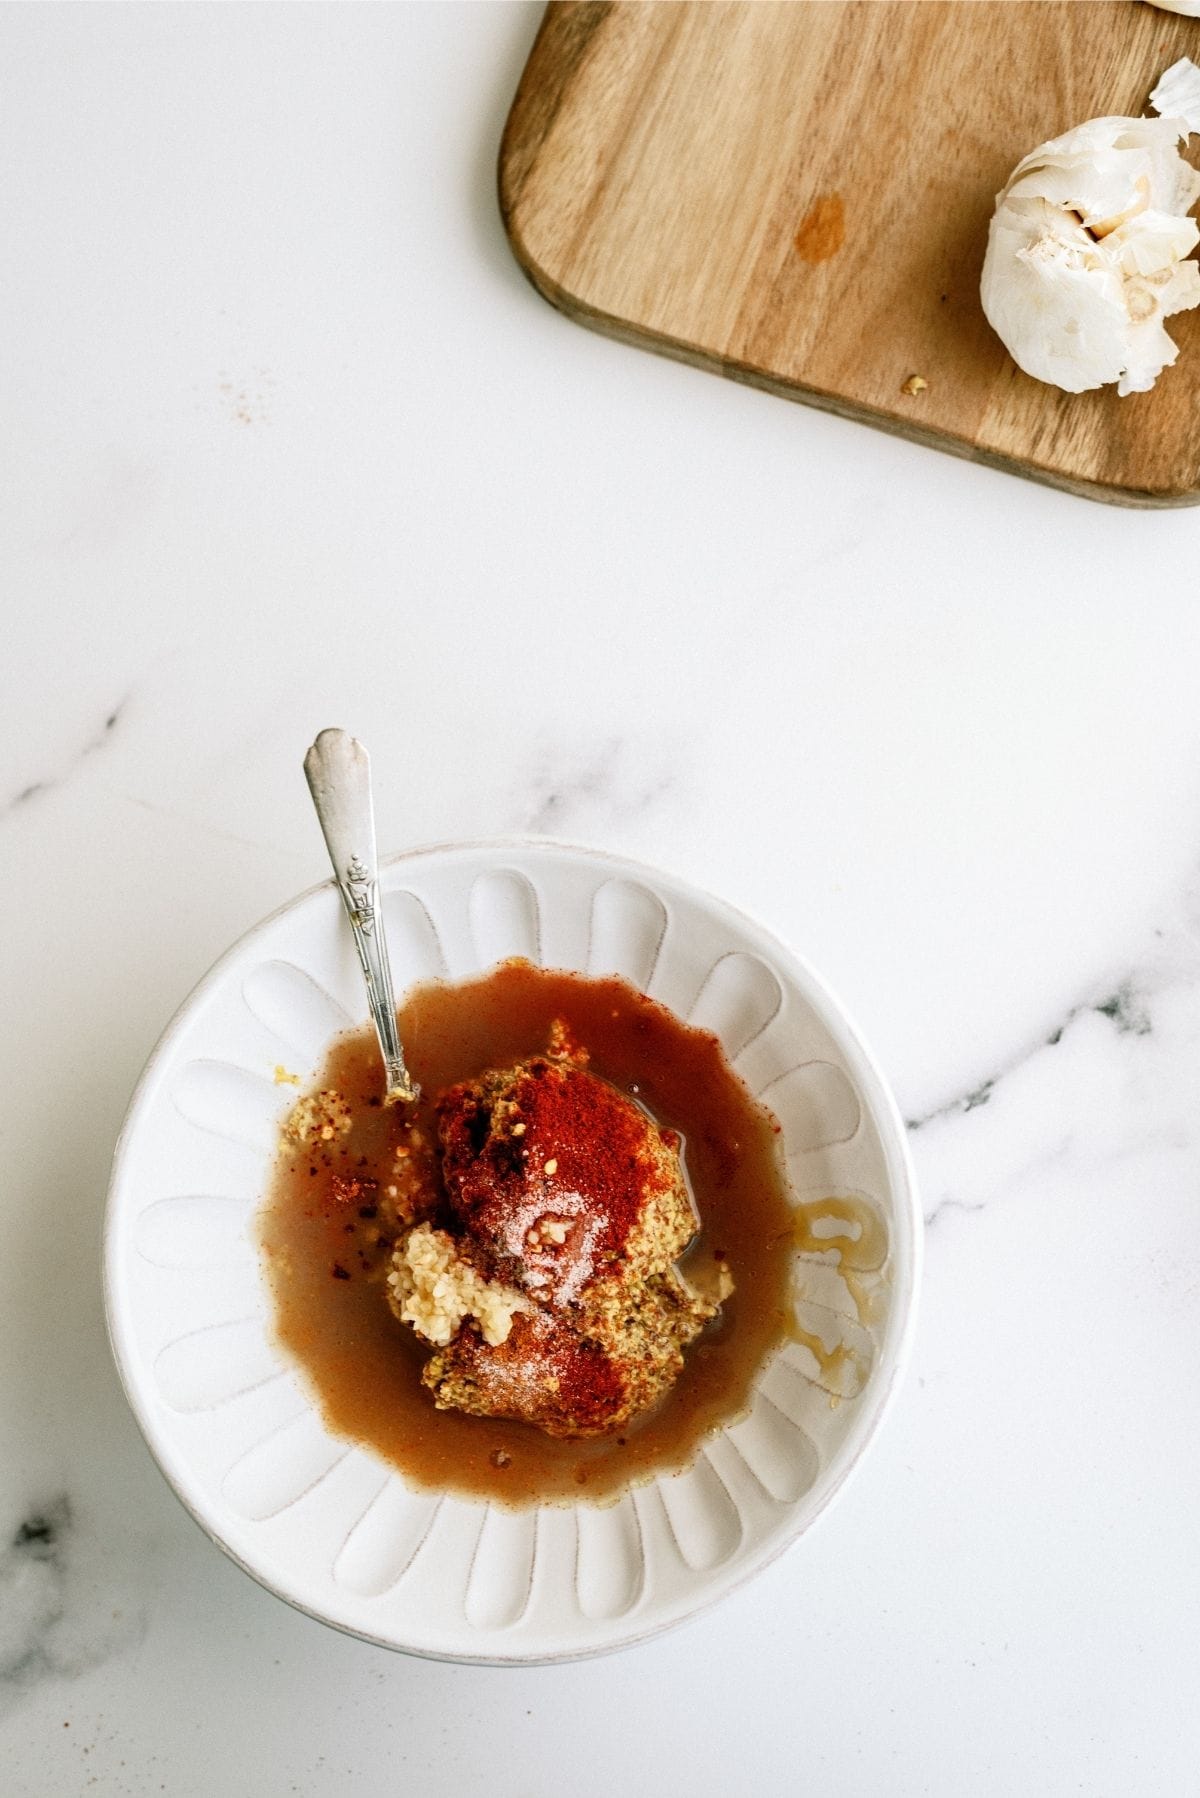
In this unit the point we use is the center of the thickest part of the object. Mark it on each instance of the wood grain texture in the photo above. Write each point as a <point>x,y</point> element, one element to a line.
<point>797,195</point>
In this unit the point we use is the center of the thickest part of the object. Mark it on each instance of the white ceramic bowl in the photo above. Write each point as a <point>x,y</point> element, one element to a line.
<point>323,1522</point>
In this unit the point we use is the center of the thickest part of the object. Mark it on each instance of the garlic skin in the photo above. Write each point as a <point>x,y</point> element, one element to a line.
<point>1177,95</point>
<point>1085,256</point>
<point>1189,8</point>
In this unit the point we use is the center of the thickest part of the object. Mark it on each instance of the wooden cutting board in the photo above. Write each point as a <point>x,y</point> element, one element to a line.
<point>797,195</point>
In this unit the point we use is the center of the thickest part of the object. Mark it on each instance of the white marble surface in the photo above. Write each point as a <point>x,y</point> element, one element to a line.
<point>287,440</point>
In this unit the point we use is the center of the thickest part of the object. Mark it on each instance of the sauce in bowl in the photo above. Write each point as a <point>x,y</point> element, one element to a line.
<point>327,1246</point>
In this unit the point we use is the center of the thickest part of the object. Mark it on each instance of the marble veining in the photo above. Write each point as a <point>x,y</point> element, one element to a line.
<point>201,826</point>
<point>1126,1009</point>
<point>58,1618</point>
<point>587,790</point>
<point>1112,1076</point>
<point>49,783</point>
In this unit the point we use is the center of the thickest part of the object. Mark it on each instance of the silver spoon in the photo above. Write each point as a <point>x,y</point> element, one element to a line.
<point>338,770</point>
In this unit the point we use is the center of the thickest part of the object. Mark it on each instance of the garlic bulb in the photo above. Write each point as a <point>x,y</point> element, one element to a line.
<point>1189,8</point>
<point>1085,256</point>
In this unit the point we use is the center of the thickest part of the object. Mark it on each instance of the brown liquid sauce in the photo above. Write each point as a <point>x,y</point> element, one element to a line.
<point>327,1258</point>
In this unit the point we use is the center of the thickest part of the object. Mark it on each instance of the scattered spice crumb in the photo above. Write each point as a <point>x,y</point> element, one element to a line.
<point>914,384</point>
<point>339,1272</point>
<point>500,1458</point>
<point>551,1166</point>
<point>283,1078</point>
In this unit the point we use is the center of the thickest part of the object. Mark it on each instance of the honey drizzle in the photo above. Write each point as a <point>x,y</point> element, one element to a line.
<point>865,1252</point>
<point>861,1248</point>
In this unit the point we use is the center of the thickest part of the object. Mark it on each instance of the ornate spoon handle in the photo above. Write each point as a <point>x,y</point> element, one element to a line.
<point>338,770</point>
